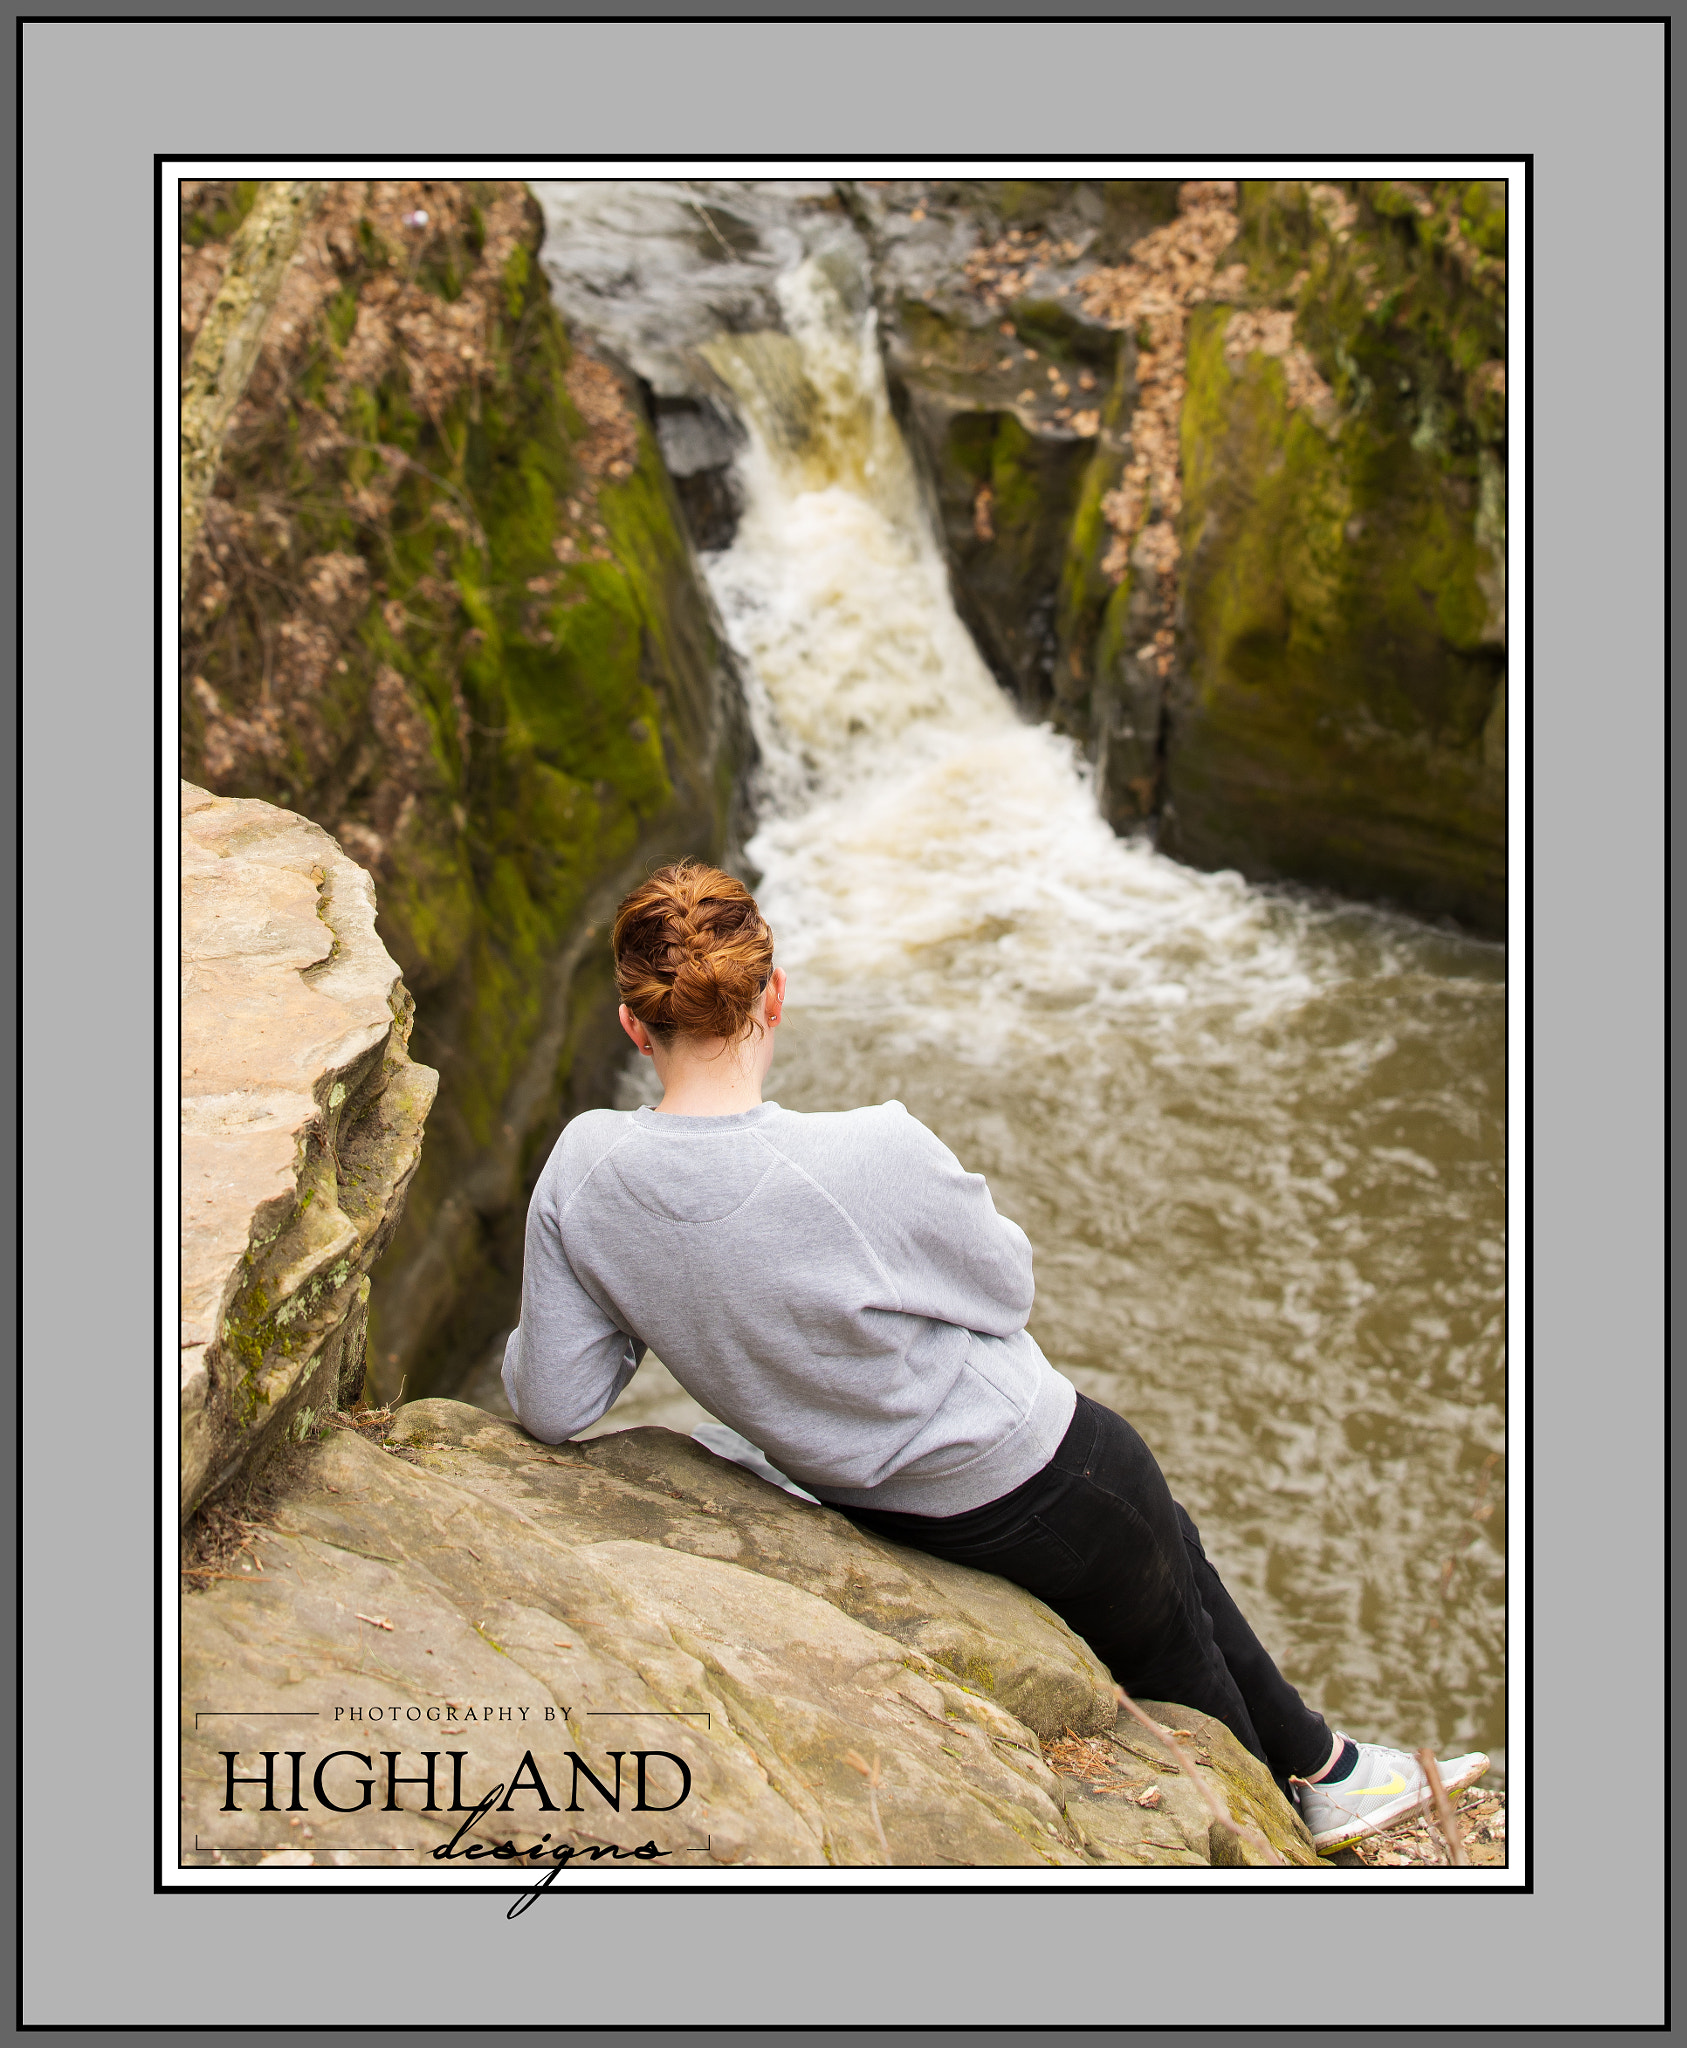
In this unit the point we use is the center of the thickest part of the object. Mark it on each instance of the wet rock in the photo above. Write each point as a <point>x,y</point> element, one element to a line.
<point>698,439</point>
<point>627,1585</point>
<point>302,1118</point>
<point>1012,396</point>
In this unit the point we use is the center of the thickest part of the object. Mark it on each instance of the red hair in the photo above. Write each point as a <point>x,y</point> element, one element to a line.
<point>692,953</point>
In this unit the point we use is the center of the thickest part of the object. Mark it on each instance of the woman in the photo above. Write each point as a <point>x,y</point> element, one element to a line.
<point>842,1292</point>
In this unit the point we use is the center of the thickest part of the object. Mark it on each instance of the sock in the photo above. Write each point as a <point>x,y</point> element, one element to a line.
<point>1343,1757</point>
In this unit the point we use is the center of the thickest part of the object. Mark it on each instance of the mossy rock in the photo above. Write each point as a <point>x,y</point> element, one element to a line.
<point>1334,711</point>
<point>1337,715</point>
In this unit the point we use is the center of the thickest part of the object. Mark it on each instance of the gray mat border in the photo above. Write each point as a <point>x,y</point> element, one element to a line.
<point>1585,1948</point>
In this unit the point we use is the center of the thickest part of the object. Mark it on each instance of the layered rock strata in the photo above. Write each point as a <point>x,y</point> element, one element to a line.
<point>833,1699</point>
<point>301,1127</point>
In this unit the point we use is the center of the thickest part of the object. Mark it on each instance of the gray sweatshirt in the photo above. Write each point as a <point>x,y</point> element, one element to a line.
<point>837,1288</point>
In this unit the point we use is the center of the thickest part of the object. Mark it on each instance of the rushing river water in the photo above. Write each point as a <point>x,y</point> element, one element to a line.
<point>1255,1136</point>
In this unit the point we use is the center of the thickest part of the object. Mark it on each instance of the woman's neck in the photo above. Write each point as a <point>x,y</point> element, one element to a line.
<point>694,1083</point>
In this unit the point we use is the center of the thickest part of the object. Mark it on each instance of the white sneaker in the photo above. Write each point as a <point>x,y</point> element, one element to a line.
<point>1384,1786</point>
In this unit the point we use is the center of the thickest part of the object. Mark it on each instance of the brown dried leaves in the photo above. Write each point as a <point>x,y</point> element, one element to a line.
<point>1271,333</point>
<point>611,446</point>
<point>1001,270</point>
<point>1167,272</point>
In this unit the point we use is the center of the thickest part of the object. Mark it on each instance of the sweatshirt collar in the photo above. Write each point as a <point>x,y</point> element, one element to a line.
<point>704,1126</point>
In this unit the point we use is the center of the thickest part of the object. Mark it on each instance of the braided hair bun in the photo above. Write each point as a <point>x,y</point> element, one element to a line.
<point>692,953</point>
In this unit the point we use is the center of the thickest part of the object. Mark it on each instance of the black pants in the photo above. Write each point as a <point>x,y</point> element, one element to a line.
<point>1097,1536</point>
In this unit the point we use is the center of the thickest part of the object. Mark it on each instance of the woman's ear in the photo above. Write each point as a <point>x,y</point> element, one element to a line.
<point>636,1031</point>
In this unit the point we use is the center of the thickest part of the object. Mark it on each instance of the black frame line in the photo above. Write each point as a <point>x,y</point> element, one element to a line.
<point>1524,611</point>
<point>855,20</point>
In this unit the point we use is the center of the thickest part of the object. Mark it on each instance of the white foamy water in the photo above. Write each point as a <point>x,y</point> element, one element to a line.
<point>1256,1136</point>
<point>922,847</point>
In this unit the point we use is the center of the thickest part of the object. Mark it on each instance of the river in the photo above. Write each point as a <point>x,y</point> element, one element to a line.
<point>1256,1135</point>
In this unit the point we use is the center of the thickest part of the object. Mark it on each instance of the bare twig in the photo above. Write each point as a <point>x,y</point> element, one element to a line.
<point>702,213</point>
<point>1209,1797</point>
<point>871,1773</point>
<point>1450,1833</point>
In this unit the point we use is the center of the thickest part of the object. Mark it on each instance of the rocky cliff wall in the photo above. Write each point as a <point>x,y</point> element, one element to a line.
<point>1221,475</point>
<point>301,1125</point>
<point>444,604</point>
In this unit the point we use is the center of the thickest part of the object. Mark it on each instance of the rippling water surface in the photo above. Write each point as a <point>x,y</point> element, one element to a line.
<point>1256,1137</point>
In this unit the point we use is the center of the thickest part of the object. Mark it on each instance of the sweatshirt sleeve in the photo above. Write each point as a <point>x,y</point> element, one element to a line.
<point>566,1362</point>
<point>954,1258</point>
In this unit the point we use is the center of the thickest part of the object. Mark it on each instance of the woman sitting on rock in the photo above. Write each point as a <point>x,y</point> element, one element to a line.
<point>842,1293</point>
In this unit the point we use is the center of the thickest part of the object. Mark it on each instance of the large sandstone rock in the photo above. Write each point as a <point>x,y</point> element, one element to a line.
<point>301,1124</point>
<point>459,1586</point>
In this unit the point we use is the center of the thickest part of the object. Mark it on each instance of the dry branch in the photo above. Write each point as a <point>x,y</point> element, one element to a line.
<point>1450,1833</point>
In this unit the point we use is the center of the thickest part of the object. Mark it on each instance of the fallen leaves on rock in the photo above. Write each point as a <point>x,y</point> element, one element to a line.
<point>1166,273</point>
<point>1271,333</point>
<point>1002,270</point>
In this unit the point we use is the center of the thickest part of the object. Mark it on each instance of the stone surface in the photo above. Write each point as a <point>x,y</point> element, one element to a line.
<point>653,1597</point>
<point>301,1124</point>
<point>1337,714</point>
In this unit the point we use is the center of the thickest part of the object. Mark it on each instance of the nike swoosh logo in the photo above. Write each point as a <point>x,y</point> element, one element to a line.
<point>1395,1784</point>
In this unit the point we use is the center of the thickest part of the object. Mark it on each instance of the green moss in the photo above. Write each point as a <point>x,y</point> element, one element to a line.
<point>341,317</point>
<point>518,268</point>
<point>1086,594</point>
<point>217,209</point>
<point>1341,669</point>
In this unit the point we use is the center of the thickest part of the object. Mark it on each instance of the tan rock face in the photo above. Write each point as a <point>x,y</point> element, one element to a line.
<point>530,1614</point>
<point>301,1123</point>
